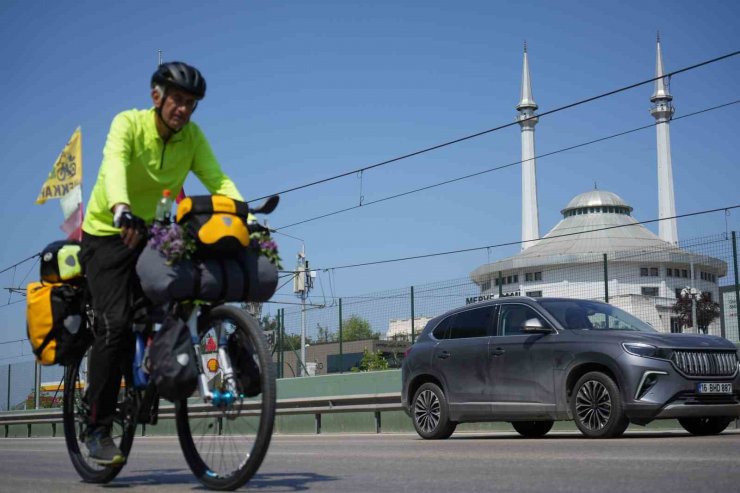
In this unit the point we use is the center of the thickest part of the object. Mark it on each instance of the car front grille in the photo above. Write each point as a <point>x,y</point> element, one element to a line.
<point>705,363</point>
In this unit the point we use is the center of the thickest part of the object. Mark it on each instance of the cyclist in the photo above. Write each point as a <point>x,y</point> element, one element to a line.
<point>146,151</point>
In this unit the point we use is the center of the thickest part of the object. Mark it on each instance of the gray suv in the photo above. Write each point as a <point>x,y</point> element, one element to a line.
<point>534,361</point>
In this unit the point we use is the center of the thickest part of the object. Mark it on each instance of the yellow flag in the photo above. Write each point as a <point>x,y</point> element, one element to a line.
<point>67,171</point>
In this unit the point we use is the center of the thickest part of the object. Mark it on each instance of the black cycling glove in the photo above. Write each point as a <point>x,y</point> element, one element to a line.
<point>124,219</point>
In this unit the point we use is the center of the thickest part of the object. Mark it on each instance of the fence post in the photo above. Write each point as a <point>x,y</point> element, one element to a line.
<point>8,405</point>
<point>36,384</point>
<point>341,349</point>
<point>737,282</point>
<point>281,332</point>
<point>413,331</point>
<point>500,284</point>
<point>278,344</point>
<point>606,281</point>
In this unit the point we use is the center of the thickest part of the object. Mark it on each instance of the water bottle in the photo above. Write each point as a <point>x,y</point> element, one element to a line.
<point>163,214</point>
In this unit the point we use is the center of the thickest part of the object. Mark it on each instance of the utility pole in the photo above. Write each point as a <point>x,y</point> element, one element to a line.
<point>302,284</point>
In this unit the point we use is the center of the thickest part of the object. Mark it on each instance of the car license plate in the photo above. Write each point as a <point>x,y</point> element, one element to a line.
<point>714,388</point>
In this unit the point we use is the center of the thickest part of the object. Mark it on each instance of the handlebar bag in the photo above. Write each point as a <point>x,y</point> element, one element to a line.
<point>216,222</point>
<point>54,322</point>
<point>60,261</point>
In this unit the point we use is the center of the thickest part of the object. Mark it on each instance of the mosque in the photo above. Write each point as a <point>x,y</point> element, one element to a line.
<point>643,274</point>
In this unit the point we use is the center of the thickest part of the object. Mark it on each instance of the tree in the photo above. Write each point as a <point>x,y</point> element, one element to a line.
<point>269,323</point>
<point>371,361</point>
<point>357,328</point>
<point>290,342</point>
<point>706,310</point>
<point>324,334</point>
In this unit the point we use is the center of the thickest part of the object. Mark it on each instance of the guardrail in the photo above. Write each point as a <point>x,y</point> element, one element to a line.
<point>375,403</point>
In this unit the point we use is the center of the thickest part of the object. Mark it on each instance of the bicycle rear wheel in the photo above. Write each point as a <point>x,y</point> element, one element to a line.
<point>225,445</point>
<point>75,412</point>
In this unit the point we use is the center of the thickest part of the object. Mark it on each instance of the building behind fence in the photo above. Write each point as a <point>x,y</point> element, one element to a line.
<point>645,283</point>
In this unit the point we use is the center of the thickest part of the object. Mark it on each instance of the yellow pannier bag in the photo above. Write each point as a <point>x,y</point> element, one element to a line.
<point>54,322</point>
<point>217,223</point>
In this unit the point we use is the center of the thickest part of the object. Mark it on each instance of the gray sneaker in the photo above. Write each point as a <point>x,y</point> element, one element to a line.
<point>102,449</point>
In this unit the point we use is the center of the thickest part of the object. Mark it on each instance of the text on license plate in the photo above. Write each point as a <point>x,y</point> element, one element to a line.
<point>714,388</point>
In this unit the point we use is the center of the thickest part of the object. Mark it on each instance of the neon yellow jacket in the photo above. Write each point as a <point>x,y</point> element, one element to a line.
<point>138,165</point>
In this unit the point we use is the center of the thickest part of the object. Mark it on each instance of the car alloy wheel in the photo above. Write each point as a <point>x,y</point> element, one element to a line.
<point>593,405</point>
<point>427,411</point>
<point>596,406</point>
<point>430,414</point>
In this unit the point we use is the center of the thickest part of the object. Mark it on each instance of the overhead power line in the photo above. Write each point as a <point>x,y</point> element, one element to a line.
<point>511,243</point>
<point>20,262</point>
<point>498,168</point>
<point>501,127</point>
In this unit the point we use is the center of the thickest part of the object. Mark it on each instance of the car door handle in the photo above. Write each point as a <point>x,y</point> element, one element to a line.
<point>443,355</point>
<point>498,351</point>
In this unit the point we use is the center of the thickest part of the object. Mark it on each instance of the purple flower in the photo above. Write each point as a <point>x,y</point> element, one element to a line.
<point>171,241</point>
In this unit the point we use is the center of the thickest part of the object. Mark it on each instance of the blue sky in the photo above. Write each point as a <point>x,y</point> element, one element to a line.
<point>299,91</point>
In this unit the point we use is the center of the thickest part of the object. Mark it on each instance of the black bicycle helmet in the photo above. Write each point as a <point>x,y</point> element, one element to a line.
<point>182,76</point>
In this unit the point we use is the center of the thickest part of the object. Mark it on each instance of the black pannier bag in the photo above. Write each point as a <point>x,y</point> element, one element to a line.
<point>60,261</point>
<point>216,222</point>
<point>242,361</point>
<point>247,276</point>
<point>55,323</point>
<point>172,359</point>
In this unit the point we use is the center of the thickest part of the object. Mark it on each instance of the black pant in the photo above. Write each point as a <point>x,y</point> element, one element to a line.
<point>110,269</point>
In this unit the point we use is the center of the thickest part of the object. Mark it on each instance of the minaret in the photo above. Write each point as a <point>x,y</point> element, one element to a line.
<point>662,110</point>
<point>527,121</point>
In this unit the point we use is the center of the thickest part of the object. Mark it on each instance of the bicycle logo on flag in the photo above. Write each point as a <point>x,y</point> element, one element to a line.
<point>67,167</point>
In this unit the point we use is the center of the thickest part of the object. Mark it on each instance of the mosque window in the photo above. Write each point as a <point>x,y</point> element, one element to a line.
<point>486,285</point>
<point>649,291</point>
<point>708,276</point>
<point>528,277</point>
<point>684,273</point>
<point>649,272</point>
<point>678,292</point>
<point>538,276</point>
<point>534,294</point>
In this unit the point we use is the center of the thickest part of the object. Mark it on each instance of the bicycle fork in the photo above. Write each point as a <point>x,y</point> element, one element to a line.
<point>218,397</point>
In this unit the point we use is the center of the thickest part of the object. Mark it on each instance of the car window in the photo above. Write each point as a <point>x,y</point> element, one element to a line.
<point>441,331</point>
<point>513,317</point>
<point>590,315</point>
<point>472,323</point>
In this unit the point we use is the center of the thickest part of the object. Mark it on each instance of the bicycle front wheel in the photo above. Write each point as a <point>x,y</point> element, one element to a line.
<point>75,412</point>
<point>225,443</point>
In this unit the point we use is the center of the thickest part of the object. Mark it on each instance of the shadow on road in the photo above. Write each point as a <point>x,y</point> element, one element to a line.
<point>295,481</point>
<point>577,436</point>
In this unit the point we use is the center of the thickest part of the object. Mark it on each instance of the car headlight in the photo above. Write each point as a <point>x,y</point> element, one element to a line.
<point>640,349</point>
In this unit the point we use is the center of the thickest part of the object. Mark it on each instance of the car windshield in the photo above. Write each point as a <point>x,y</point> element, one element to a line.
<point>589,315</point>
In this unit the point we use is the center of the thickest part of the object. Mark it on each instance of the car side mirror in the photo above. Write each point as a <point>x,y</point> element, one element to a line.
<point>534,326</point>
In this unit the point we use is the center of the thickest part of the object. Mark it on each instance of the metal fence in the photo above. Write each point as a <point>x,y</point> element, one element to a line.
<point>647,283</point>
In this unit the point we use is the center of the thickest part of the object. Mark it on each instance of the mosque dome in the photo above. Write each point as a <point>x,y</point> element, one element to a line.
<point>596,198</point>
